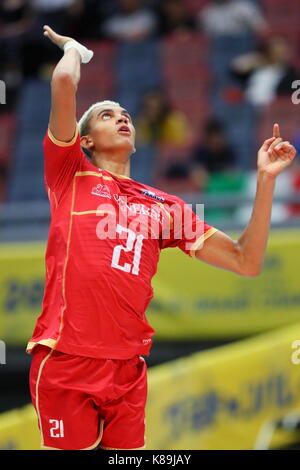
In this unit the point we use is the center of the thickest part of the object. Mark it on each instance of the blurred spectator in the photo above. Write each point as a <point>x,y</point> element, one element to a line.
<point>90,20</point>
<point>267,72</point>
<point>231,17</point>
<point>174,17</point>
<point>177,170</point>
<point>158,123</point>
<point>56,13</point>
<point>214,154</point>
<point>15,22</point>
<point>132,22</point>
<point>40,55</point>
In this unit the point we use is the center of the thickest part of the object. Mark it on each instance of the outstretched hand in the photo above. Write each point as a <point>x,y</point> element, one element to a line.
<point>275,154</point>
<point>57,39</point>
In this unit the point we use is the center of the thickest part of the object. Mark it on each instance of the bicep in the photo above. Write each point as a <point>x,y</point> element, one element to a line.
<point>221,251</point>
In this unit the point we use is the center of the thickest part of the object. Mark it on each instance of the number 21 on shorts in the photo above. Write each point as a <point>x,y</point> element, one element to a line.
<point>134,242</point>
<point>58,429</point>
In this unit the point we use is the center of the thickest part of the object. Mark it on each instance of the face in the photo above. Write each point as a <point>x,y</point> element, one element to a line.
<point>175,9</point>
<point>153,105</point>
<point>278,50</point>
<point>216,141</point>
<point>111,129</point>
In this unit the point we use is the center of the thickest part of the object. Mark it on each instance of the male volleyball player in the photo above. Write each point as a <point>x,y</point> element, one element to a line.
<point>87,377</point>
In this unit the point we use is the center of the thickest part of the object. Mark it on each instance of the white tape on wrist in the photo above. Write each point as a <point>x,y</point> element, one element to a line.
<point>85,53</point>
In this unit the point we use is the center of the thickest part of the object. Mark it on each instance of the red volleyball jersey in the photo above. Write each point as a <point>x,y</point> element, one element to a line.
<point>104,243</point>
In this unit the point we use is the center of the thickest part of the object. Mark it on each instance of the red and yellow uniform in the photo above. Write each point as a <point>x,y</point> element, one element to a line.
<point>104,244</point>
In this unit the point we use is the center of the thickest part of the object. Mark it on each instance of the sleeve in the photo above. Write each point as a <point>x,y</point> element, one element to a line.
<point>61,161</point>
<point>185,229</point>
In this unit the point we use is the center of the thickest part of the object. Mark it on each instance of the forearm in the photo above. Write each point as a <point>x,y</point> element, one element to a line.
<point>68,69</point>
<point>253,241</point>
<point>246,255</point>
<point>64,85</point>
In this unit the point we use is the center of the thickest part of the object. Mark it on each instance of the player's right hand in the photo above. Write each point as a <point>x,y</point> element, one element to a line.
<point>57,39</point>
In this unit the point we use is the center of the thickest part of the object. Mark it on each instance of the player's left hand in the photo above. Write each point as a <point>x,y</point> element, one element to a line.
<point>275,154</point>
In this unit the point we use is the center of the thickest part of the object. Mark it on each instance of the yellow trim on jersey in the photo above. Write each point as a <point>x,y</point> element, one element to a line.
<point>66,262</point>
<point>93,446</point>
<point>37,394</point>
<point>93,212</point>
<point>168,213</point>
<point>119,176</point>
<point>45,342</point>
<point>61,143</point>
<point>200,240</point>
<point>93,173</point>
<point>54,197</point>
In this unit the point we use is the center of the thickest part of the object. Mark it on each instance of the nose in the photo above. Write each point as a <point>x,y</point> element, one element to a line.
<point>122,119</point>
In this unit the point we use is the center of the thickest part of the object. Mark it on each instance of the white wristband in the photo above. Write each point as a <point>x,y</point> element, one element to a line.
<point>84,52</point>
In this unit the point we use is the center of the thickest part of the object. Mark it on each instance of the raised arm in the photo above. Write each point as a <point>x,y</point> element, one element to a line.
<point>246,255</point>
<point>65,79</point>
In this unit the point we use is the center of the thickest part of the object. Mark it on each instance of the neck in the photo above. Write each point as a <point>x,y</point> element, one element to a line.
<point>112,162</point>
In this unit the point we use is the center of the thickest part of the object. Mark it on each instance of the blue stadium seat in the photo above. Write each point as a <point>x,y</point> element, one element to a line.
<point>26,182</point>
<point>137,70</point>
<point>34,106</point>
<point>143,164</point>
<point>223,50</point>
<point>28,185</point>
<point>240,123</point>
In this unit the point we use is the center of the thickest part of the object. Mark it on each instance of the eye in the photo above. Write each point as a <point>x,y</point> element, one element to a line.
<point>106,116</point>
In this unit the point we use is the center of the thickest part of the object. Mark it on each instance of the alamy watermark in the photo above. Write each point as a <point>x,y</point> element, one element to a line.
<point>2,92</point>
<point>154,221</point>
<point>295,357</point>
<point>296,94</point>
<point>2,352</point>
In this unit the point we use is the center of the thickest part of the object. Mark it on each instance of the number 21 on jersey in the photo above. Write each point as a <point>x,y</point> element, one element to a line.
<point>134,243</point>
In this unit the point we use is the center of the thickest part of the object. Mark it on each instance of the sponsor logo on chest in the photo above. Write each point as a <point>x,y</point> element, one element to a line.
<point>146,192</point>
<point>101,190</point>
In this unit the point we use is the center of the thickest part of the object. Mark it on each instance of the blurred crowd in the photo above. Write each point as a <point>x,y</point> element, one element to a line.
<point>263,73</point>
<point>24,52</point>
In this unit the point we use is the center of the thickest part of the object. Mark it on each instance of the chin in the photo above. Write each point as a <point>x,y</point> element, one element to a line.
<point>126,145</point>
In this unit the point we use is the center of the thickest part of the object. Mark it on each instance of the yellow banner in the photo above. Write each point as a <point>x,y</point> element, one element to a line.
<point>19,430</point>
<point>192,300</point>
<point>21,290</point>
<point>227,398</point>
<point>231,397</point>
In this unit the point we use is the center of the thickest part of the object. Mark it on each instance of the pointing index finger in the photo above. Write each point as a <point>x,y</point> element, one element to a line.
<point>276,130</point>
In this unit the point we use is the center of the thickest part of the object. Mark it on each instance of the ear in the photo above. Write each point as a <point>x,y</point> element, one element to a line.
<point>87,142</point>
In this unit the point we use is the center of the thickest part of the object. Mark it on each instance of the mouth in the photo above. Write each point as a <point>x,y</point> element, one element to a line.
<point>124,130</point>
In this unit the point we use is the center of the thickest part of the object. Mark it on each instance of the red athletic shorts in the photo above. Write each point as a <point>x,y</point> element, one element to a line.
<point>84,403</point>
